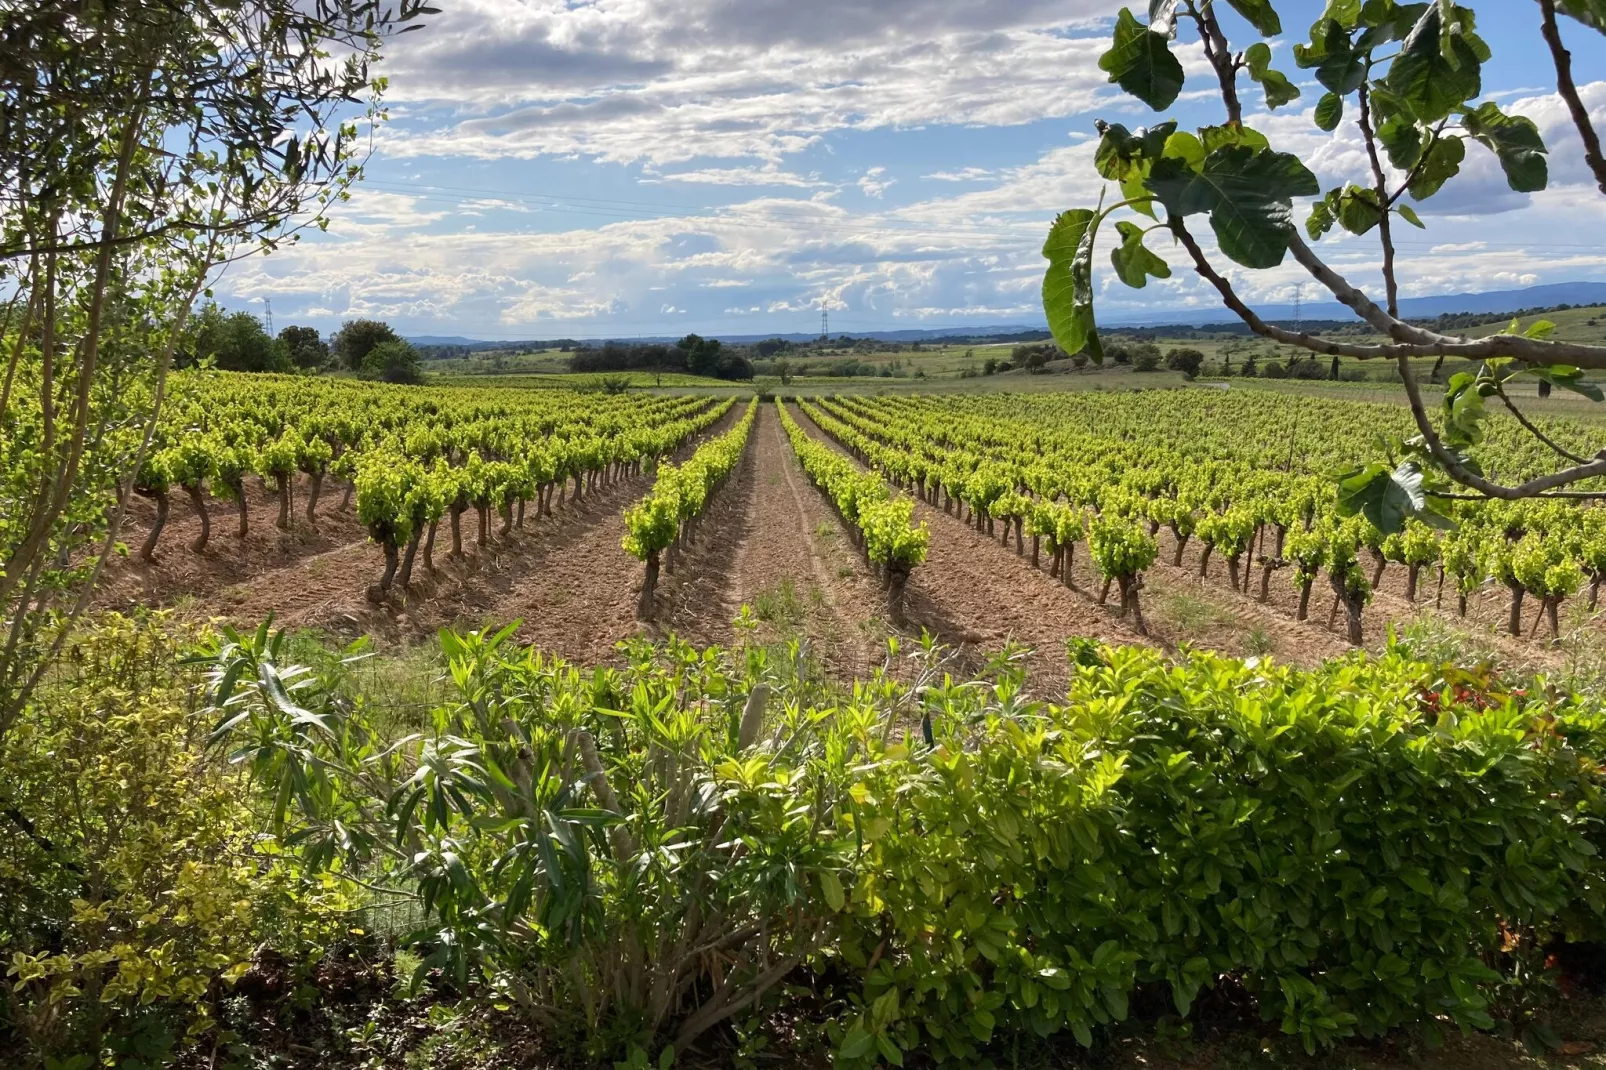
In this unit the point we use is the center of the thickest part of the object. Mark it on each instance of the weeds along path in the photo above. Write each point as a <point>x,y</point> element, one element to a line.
<point>488,585</point>
<point>773,545</point>
<point>973,593</point>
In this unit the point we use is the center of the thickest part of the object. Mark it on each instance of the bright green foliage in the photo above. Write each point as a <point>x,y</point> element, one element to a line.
<point>1352,845</point>
<point>885,524</point>
<point>1318,837</point>
<point>383,485</point>
<point>134,888</point>
<point>679,494</point>
<point>1119,547</point>
<point>1544,568</point>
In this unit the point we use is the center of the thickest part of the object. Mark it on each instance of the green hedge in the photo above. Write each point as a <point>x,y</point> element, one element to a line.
<point>642,854</point>
<point>1354,845</point>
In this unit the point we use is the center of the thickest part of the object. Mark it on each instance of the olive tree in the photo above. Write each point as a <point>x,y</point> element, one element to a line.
<point>142,145</point>
<point>1408,76</point>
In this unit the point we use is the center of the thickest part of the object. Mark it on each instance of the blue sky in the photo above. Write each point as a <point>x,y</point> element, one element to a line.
<point>651,167</point>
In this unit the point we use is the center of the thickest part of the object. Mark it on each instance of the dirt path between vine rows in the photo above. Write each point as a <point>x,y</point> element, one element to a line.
<point>773,545</point>
<point>976,595</point>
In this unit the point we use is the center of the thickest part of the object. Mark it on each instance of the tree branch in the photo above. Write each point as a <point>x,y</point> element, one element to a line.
<point>1569,91</point>
<point>1534,431</point>
<point>1381,187</point>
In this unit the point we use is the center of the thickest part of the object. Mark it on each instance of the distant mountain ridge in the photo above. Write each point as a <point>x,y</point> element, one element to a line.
<point>1491,302</point>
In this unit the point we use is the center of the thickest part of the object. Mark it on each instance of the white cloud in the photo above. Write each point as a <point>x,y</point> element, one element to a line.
<point>871,184</point>
<point>627,80</point>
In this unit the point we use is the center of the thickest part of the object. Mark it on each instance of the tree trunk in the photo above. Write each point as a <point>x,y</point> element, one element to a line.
<point>1057,562</point>
<point>316,481</point>
<point>1265,583</point>
<point>380,591</point>
<point>1377,573</point>
<point>649,584</point>
<point>1037,551</point>
<point>1594,594</point>
<point>1552,605</point>
<point>1514,625</point>
<point>1020,545</point>
<point>579,486</point>
<point>1232,571</point>
<point>429,546</point>
<point>1104,592</point>
<point>245,509</point>
<point>1204,560</point>
<point>407,560</point>
<point>484,535</point>
<point>507,519</point>
<point>148,551</point>
<point>1411,574</point>
<point>1352,609</point>
<point>521,513</point>
<point>345,499</point>
<point>457,512</point>
<point>1130,586</point>
<point>1182,544</point>
<point>1461,603</point>
<point>1438,597</point>
<point>1070,561</point>
<point>897,588</point>
<point>198,499</point>
<point>1304,598</point>
<point>286,501</point>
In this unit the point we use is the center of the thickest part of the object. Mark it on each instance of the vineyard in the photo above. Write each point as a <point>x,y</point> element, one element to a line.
<point>930,502</point>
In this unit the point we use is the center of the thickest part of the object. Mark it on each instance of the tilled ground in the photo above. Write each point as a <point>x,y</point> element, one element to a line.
<point>769,542</point>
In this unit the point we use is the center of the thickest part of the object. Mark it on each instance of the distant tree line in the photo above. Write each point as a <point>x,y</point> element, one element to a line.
<point>692,355</point>
<point>238,341</point>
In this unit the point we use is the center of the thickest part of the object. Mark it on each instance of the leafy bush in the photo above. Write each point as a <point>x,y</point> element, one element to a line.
<point>132,891</point>
<point>641,854</point>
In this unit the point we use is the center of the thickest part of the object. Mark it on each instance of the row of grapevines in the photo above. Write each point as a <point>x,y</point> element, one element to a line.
<point>668,514</point>
<point>413,456</point>
<point>880,524</point>
<point>1128,456</point>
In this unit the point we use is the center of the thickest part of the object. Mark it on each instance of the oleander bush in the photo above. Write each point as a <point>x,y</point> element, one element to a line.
<point>632,862</point>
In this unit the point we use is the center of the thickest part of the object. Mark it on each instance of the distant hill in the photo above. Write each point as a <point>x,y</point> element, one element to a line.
<point>1491,303</point>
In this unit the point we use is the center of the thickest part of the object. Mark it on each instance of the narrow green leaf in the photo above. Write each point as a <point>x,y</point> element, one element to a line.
<point>1329,111</point>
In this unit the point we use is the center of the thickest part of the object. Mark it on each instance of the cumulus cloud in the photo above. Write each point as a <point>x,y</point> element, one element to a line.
<point>672,80</point>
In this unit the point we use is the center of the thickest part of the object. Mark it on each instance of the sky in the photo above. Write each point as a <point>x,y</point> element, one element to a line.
<point>624,168</point>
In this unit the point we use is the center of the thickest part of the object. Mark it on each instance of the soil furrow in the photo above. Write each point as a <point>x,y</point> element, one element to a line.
<point>975,594</point>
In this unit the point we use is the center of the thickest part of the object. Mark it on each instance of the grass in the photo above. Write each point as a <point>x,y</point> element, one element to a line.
<point>780,605</point>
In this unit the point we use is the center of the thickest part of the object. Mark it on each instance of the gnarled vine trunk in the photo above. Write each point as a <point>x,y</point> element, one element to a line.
<point>286,501</point>
<point>649,584</point>
<point>198,499</point>
<point>148,551</point>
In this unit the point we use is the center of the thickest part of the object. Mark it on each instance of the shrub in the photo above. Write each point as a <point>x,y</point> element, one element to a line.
<point>393,362</point>
<point>1186,361</point>
<point>132,895</point>
<point>1373,844</point>
<point>1146,361</point>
